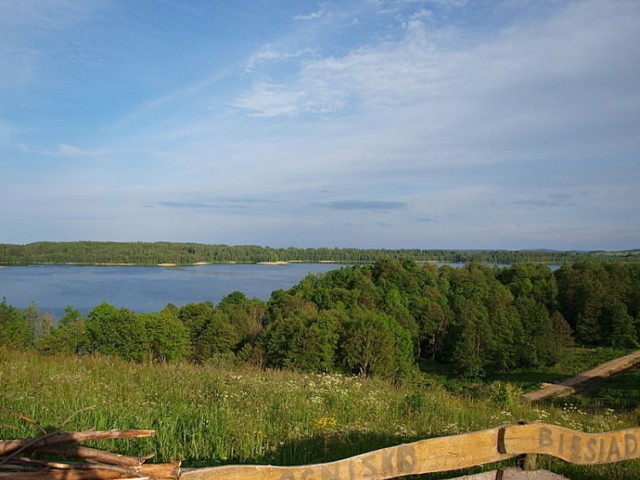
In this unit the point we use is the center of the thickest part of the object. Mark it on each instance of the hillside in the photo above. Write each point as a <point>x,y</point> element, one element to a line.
<point>206,415</point>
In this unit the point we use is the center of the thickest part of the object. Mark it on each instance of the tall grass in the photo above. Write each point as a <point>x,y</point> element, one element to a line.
<point>207,415</point>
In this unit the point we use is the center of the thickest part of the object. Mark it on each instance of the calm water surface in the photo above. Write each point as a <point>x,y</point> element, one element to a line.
<point>144,289</point>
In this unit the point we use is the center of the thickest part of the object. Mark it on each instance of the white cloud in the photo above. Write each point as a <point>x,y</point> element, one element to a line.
<point>384,75</point>
<point>520,86</point>
<point>269,100</point>
<point>316,96</point>
<point>268,53</point>
<point>311,16</point>
<point>63,150</point>
<point>477,129</point>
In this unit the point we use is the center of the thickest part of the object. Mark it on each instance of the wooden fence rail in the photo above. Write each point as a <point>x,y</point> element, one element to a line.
<point>451,453</point>
<point>443,454</point>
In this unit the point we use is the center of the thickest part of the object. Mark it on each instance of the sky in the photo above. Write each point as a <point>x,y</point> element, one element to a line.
<point>462,124</point>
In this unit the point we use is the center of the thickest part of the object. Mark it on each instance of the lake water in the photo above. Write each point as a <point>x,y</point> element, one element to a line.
<point>144,289</point>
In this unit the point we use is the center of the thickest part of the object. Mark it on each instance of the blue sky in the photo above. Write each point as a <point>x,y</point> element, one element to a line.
<point>508,124</point>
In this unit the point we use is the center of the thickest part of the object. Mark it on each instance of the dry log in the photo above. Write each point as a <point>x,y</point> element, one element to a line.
<point>7,447</point>
<point>92,455</point>
<point>160,470</point>
<point>73,471</point>
<point>66,475</point>
<point>164,471</point>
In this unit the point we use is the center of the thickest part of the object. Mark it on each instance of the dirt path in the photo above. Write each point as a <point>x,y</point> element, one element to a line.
<point>601,371</point>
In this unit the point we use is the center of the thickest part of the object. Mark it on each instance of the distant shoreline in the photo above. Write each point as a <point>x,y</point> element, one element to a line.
<point>167,254</point>
<point>169,264</point>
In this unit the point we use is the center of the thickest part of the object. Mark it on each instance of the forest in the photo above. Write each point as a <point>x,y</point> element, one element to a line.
<point>141,253</point>
<point>380,320</point>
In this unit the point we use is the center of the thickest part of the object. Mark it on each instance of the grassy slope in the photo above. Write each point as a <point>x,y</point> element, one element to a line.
<point>210,415</point>
<point>575,361</point>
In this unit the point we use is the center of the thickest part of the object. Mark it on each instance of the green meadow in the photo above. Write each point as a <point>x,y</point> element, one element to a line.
<point>207,415</point>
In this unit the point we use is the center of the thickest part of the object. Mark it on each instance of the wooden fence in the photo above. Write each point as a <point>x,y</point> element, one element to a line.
<point>443,454</point>
<point>453,453</point>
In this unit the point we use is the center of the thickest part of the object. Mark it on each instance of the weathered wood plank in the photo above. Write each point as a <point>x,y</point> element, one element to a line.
<point>426,456</point>
<point>570,445</point>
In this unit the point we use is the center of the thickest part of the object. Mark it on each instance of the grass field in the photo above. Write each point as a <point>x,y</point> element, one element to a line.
<point>620,392</point>
<point>208,415</point>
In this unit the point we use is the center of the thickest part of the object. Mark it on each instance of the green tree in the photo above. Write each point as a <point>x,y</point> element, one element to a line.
<point>283,341</point>
<point>117,332</point>
<point>167,338</point>
<point>16,329</point>
<point>320,341</point>
<point>300,337</point>
<point>195,317</point>
<point>582,291</point>
<point>245,315</point>
<point>506,327</point>
<point>535,281</point>
<point>615,320</point>
<point>69,337</point>
<point>219,338</point>
<point>471,340</point>
<point>373,343</point>
<point>544,336</point>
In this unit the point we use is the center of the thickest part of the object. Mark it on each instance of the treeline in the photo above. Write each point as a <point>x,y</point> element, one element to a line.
<point>377,319</point>
<point>139,253</point>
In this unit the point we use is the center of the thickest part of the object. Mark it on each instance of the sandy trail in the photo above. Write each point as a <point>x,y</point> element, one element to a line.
<point>601,371</point>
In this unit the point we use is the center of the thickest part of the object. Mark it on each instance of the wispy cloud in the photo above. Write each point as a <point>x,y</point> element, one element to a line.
<point>504,87</point>
<point>219,203</point>
<point>64,150</point>
<point>310,16</point>
<point>187,205</point>
<point>480,116</point>
<point>272,100</point>
<point>364,205</point>
<point>552,200</point>
<point>269,53</point>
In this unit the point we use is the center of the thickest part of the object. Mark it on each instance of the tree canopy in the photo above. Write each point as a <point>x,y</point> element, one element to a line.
<point>377,319</point>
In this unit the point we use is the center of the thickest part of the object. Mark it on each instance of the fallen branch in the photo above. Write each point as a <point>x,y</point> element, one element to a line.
<point>26,468</point>
<point>69,471</point>
<point>8,447</point>
<point>24,418</point>
<point>92,455</point>
<point>25,444</point>
<point>93,464</point>
<point>72,475</point>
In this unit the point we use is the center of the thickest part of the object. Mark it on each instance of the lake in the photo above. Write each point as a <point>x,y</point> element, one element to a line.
<point>144,289</point>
